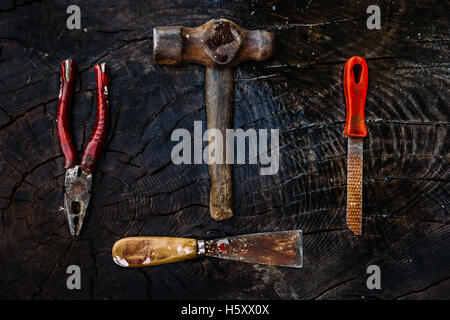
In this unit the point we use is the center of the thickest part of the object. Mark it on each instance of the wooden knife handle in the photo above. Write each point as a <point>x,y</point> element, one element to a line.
<point>149,251</point>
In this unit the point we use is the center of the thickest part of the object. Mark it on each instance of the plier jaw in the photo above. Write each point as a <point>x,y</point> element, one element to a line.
<point>77,194</point>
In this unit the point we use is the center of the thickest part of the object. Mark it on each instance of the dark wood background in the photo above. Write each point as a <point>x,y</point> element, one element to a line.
<point>138,191</point>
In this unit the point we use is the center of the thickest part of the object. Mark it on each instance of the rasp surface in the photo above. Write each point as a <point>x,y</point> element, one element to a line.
<point>354,184</point>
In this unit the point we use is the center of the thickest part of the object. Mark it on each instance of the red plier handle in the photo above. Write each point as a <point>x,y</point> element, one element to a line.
<point>95,144</point>
<point>94,147</point>
<point>68,74</point>
<point>355,89</point>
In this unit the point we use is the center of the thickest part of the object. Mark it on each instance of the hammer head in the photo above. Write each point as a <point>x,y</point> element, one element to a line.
<point>218,43</point>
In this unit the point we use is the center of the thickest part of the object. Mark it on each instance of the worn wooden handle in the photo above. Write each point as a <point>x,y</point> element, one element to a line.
<point>149,251</point>
<point>219,96</point>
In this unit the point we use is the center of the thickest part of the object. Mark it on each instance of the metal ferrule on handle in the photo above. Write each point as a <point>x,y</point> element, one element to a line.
<point>201,248</point>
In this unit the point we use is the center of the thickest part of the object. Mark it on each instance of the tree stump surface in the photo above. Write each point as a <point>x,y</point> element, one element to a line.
<point>137,190</point>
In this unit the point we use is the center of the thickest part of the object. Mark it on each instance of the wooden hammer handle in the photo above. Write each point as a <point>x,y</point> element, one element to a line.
<point>219,96</point>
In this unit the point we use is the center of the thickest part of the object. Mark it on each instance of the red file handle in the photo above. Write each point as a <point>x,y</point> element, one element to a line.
<point>68,74</point>
<point>95,144</point>
<point>355,90</point>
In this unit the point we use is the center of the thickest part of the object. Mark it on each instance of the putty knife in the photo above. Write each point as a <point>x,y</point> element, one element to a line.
<point>282,248</point>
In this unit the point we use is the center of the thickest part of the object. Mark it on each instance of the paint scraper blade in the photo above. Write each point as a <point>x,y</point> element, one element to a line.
<point>283,248</point>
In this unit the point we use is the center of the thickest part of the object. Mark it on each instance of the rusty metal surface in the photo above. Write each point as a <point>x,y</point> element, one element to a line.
<point>354,184</point>
<point>77,193</point>
<point>217,43</point>
<point>283,248</point>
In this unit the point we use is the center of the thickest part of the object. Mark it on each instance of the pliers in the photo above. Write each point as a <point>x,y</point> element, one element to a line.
<point>78,178</point>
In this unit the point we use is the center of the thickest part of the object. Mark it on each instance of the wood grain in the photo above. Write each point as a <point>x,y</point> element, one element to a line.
<point>138,191</point>
<point>150,251</point>
<point>219,101</point>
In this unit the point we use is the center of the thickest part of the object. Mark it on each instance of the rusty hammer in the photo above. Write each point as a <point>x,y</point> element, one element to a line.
<point>219,45</point>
